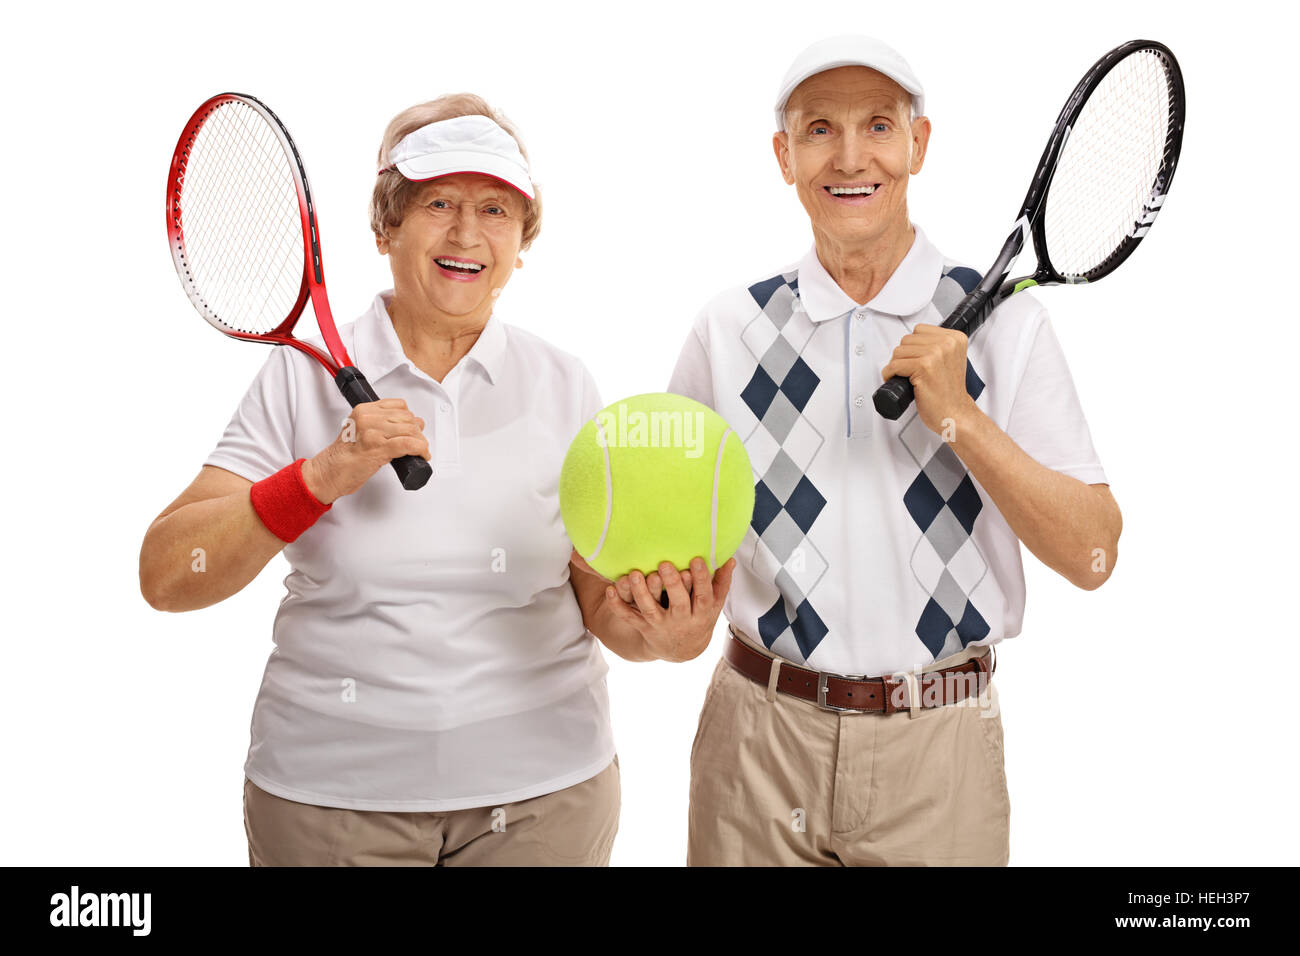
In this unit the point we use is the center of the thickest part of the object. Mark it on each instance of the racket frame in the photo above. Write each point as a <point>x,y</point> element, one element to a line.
<point>893,397</point>
<point>313,280</point>
<point>413,471</point>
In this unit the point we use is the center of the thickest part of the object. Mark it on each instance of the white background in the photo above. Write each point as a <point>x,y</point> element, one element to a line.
<point>1149,722</point>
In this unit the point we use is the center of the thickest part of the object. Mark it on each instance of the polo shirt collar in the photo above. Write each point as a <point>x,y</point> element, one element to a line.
<point>906,292</point>
<point>377,350</point>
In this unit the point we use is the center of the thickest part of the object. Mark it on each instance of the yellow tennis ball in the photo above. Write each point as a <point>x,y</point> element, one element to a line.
<point>654,478</point>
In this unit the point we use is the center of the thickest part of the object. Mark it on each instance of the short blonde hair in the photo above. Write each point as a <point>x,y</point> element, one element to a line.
<point>393,192</point>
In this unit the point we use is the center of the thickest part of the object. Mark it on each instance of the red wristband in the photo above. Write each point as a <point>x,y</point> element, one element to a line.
<point>285,504</point>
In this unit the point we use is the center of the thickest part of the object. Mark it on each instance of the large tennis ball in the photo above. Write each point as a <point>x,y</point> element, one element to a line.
<point>654,478</point>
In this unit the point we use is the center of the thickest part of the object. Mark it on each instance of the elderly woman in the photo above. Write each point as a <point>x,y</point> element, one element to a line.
<point>435,694</point>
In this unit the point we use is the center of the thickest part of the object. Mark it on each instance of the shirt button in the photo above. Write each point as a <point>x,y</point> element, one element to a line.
<point>858,401</point>
<point>858,315</point>
<point>446,407</point>
<point>857,350</point>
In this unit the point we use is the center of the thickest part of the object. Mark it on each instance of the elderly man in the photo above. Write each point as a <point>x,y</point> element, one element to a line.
<point>851,720</point>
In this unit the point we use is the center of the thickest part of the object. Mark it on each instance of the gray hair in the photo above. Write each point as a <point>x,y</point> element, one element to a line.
<point>393,192</point>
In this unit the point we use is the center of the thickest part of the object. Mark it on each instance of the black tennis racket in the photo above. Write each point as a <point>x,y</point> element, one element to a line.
<point>1096,192</point>
<point>244,238</point>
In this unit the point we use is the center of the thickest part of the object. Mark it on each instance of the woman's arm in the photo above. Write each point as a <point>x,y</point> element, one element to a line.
<point>589,589</point>
<point>206,545</point>
<point>626,615</point>
<point>209,542</point>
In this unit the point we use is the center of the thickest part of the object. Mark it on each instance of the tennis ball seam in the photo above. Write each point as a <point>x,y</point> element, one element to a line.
<point>713,517</point>
<point>603,441</point>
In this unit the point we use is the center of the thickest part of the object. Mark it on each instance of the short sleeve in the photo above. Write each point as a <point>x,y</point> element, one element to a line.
<point>258,442</point>
<point>693,376</point>
<point>591,402</point>
<point>1046,418</point>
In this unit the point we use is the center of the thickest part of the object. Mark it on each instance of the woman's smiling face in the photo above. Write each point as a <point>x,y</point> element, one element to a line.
<point>457,245</point>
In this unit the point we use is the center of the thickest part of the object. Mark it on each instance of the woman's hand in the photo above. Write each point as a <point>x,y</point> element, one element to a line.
<point>624,584</point>
<point>374,434</point>
<point>683,630</point>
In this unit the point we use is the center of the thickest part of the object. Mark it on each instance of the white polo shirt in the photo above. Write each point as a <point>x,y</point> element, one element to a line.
<point>872,550</point>
<point>429,651</point>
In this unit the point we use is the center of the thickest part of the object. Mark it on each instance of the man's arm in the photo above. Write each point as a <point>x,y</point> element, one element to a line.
<point>1071,527</point>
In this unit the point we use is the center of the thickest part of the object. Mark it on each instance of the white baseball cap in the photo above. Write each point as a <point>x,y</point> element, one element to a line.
<point>849,51</point>
<point>462,144</point>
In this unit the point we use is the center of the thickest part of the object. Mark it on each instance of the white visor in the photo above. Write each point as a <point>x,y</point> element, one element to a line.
<point>848,51</point>
<point>462,144</point>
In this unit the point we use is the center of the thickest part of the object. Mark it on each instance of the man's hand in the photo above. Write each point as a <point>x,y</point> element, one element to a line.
<point>934,359</point>
<point>681,631</point>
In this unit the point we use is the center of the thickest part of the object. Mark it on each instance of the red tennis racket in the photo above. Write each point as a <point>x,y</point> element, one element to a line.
<point>243,234</point>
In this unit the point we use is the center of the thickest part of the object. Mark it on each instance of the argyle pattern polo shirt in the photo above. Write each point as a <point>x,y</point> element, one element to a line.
<point>872,550</point>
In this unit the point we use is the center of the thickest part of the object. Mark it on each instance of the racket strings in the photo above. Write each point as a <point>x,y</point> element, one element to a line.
<point>1109,166</point>
<point>241,221</point>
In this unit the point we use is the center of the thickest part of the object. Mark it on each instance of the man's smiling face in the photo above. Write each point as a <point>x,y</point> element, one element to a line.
<point>848,149</point>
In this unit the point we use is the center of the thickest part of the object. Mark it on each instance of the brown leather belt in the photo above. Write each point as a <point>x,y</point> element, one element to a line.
<point>885,695</point>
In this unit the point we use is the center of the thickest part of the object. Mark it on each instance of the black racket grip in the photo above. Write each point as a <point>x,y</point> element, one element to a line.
<point>894,397</point>
<point>413,471</point>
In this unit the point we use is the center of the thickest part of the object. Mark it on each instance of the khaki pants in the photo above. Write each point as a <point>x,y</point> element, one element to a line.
<point>778,781</point>
<point>571,827</point>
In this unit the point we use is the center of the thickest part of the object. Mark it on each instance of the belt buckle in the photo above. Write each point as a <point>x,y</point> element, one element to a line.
<point>822,677</point>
